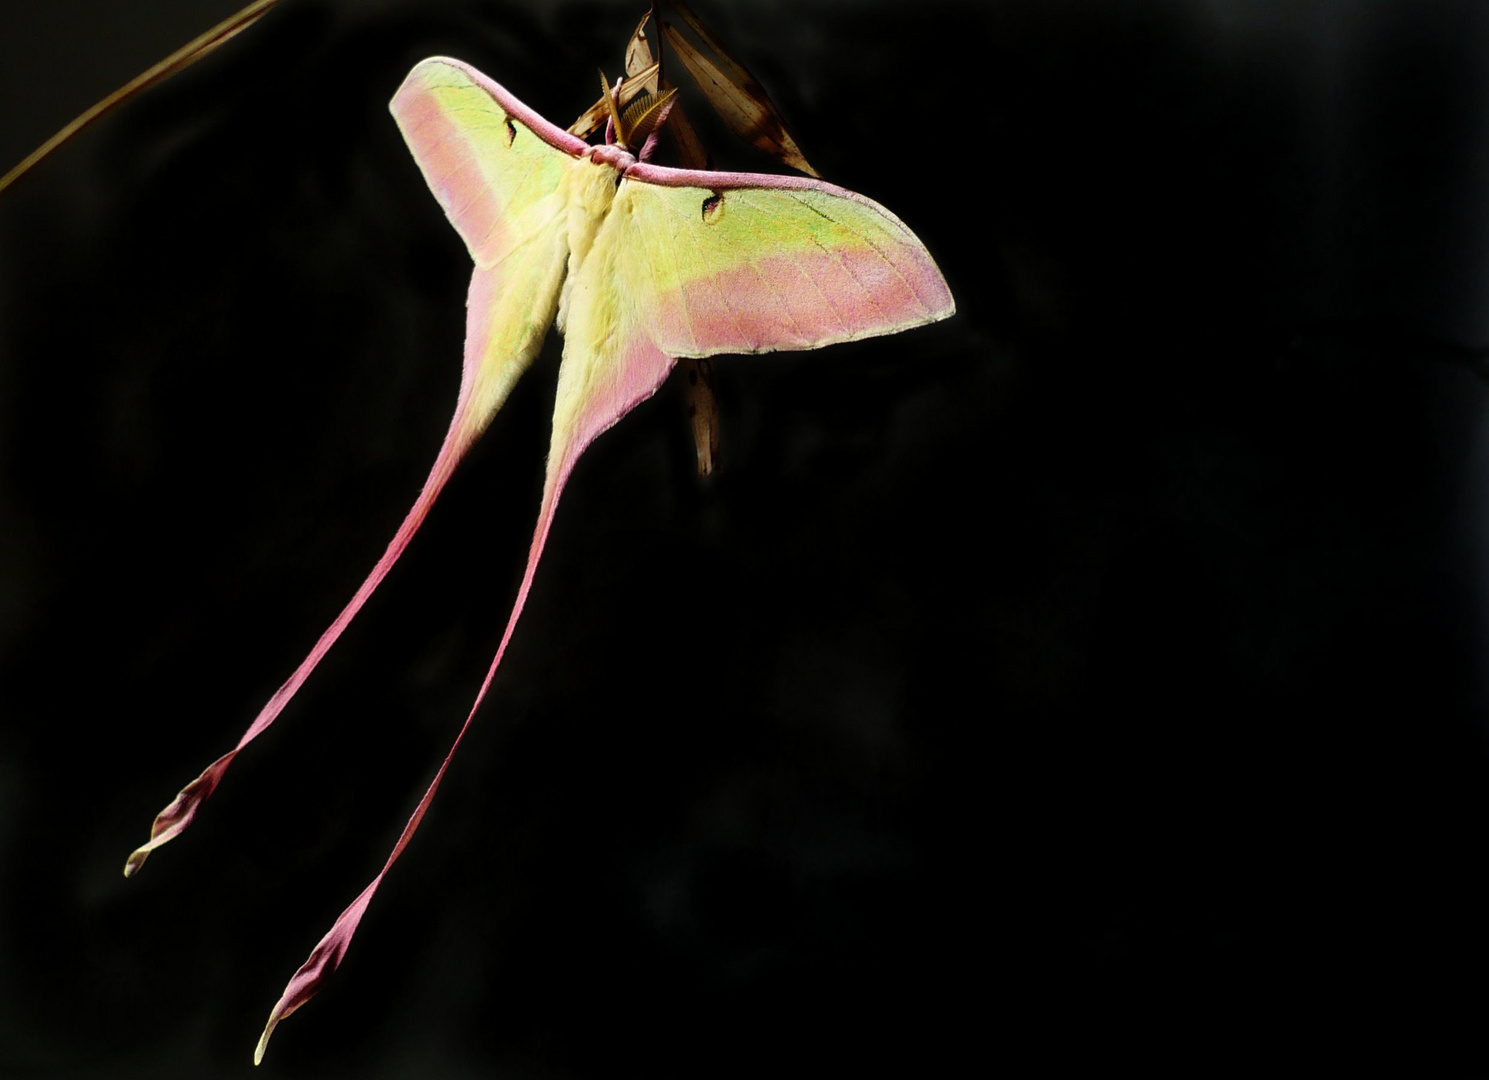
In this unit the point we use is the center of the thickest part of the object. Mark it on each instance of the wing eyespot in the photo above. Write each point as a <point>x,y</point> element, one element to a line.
<point>713,208</point>
<point>511,133</point>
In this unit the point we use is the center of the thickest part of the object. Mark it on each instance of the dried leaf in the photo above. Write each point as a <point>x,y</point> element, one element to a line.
<point>703,410</point>
<point>690,152</point>
<point>735,94</point>
<point>737,72</point>
<point>639,55</point>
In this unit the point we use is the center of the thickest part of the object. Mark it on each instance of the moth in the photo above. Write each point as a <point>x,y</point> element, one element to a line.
<point>637,265</point>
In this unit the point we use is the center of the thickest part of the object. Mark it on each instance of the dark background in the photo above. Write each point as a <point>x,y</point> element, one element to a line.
<point>1094,680</point>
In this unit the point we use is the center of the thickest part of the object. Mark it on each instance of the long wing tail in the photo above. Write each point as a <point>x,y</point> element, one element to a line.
<point>495,356</point>
<point>594,391</point>
<point>504,196</point>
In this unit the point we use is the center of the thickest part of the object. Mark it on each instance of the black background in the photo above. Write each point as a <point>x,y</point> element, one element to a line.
<point>1095,679</point>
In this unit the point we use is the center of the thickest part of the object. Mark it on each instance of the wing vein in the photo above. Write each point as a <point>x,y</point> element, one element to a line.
<point>909,287</point>
<point>867,292</point>
<point>781,300</point>
<point>734,317</point>
<point>682,295</point>
<point>651,266</point>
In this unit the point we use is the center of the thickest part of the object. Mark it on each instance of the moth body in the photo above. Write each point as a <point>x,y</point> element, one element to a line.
<point>589,191</point>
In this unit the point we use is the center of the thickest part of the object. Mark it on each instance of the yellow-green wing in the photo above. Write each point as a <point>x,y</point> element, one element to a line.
<point>745,262</point>
<point>501,172</point>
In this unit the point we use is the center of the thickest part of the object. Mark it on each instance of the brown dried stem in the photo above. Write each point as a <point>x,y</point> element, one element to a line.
<point>182,58</point>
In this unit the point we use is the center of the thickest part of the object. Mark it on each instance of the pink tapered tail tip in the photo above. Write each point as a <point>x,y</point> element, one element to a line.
<point>172,821</point>
<point>324,959</point>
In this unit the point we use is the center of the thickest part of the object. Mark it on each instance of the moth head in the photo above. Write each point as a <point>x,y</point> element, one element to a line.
<point>635,128</point>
